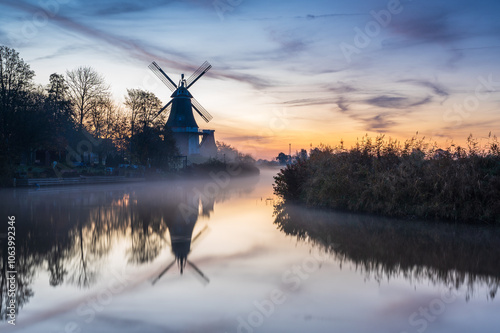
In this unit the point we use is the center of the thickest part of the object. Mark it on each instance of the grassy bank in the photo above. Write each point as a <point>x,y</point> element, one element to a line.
<point>213,166</point>
<point>402,179</point>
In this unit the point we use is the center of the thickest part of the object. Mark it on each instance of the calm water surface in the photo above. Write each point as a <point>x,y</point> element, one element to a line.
<point>212,257</point>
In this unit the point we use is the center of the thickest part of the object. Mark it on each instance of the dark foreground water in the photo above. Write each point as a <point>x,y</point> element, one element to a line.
<point>213,257</point>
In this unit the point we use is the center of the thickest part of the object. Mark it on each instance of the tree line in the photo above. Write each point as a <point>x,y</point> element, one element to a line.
<point>75,108</point>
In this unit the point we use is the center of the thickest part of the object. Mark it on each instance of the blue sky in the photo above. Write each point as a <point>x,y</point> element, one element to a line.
<point>300,72</point>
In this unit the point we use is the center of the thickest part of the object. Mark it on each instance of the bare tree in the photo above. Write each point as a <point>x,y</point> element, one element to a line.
<point>110,118</point>
<point>149,109</point>
<point>86,86</point>
<point>98,114</point>
<point>133,103</point>
<point>143,106</point>
<point>118,129</point>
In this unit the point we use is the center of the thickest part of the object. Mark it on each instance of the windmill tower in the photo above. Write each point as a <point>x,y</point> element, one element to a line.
<point>191,141</point>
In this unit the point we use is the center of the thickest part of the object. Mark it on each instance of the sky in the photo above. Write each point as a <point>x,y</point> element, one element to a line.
<point>294,72</point>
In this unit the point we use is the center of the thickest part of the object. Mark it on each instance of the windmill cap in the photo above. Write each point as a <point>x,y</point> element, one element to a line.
<point>181,92</point>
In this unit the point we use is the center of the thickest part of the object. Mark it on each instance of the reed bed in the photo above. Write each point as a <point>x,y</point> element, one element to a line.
<point>411,179</point>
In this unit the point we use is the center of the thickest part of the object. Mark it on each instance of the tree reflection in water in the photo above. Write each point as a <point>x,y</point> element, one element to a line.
<point>69,232</point>
<point>452,255</point>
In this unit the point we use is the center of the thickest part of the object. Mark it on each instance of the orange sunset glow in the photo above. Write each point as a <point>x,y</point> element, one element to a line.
<point>286,73</point>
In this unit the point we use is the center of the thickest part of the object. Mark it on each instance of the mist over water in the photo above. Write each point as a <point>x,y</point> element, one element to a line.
<point>212,256</point>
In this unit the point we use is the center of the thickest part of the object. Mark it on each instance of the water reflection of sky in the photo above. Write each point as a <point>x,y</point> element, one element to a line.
<point>248,261</point>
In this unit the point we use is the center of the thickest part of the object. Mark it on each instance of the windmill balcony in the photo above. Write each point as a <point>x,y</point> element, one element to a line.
<point>189,130</point>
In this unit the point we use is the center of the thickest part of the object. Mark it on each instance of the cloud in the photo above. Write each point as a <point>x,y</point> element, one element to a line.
<point>256,81</point>
<point>310,101</point>
<point>343,106</point>
<point>313,17</point>
<point>381,122</point>
<point>288,41</point>
<point>107,8</point>
<point>306,17</point>
<point>68,49</point>
<point>432,28</point>
<point>326,89</point>
<point>435,87</point>
<point>341,88</point>
<point>466,126</point>
<point>249,138</point>
<point>478,48</point>
<point>139,49</point>
<point>453,25</point>
<point>378,123</point>
<point>423,101</point>
<point>118,7</point>
<point>393,108</point>
<point>455,57</point>
<point>396,102</point>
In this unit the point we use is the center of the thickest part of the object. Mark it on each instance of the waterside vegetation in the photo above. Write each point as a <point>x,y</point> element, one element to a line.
<point>410,179</point>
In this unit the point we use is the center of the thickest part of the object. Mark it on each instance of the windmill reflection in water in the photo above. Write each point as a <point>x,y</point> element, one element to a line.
<point>181,241</point>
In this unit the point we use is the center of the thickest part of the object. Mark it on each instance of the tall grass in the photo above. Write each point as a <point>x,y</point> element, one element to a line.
<point>413,178</point>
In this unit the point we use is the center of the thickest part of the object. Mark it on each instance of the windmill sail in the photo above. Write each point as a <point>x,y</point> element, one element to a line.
<point>163,272</point>
<point>167,107</point>
<point>162,76</point>
<point>198,73</point>
<point>201,110</point>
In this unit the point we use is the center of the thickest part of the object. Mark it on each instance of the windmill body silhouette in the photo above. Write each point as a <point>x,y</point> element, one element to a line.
<point>181,239</point>
<point>191,141</point>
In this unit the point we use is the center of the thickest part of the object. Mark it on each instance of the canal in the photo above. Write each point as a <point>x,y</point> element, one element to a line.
<point>228,256</point>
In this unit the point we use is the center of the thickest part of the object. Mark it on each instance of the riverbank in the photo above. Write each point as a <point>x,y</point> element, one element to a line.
<point>82,180</point>
<point>197,171</point>
<point>407,180</point>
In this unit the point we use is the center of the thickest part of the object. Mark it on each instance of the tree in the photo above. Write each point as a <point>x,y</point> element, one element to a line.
<point>300,156</point>
<point>98,114</point>
<point>86,87</point>
<point>133,102</point>
<point>283,158</point>
<point>144,107</point>
<point>15,86</point>
<point>15,78</point>
<point>59,110</point>
<point>105,123</point>
<point>120,130</point>
<point>149,109</point>
<point>110,119</point>
<point>154,147</point>
<point>226,152</point>
<point>58,97</point>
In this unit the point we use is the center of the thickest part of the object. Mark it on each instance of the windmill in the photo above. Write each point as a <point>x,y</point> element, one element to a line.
<point>181,117</point>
